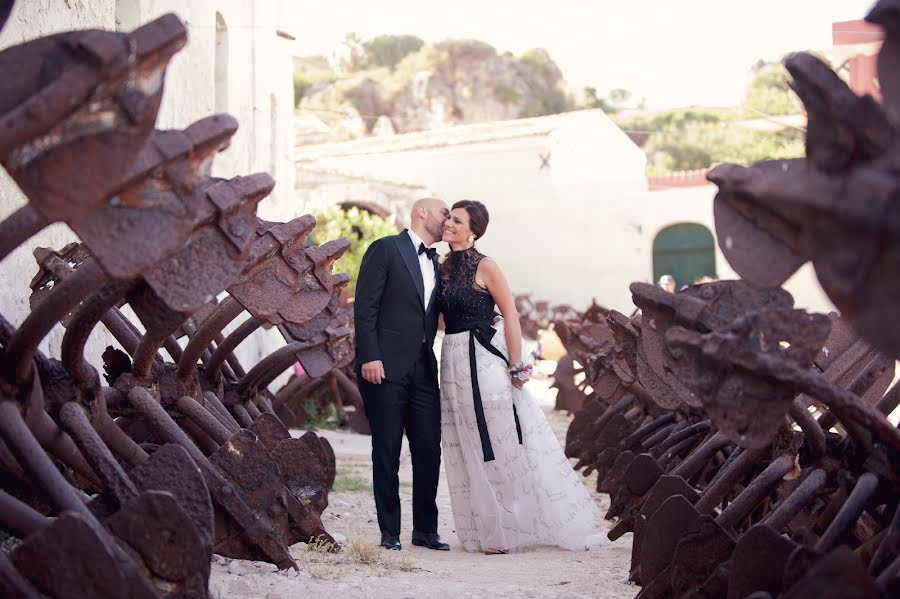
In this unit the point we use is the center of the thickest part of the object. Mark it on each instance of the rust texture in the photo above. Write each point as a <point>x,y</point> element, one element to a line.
<point>744,442</point>
<point>182,450</point>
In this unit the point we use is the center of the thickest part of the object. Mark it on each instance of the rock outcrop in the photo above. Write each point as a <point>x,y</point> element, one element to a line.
<point>451,83</point>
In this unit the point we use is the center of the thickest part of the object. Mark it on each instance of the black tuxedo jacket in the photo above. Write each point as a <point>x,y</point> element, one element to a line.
<point>388,313</point>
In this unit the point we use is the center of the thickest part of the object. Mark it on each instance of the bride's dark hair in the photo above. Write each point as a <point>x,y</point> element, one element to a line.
<point>478,216</point>
<point>478,223</point>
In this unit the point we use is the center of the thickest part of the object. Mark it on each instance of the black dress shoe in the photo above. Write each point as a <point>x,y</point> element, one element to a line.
<point>389,541</point>
<point>432,540</point>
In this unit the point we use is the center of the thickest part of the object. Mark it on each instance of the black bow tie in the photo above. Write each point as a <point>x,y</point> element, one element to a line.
<point>430,252</point>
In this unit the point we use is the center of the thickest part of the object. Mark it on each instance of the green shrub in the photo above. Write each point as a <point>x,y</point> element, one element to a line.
<point>539,61</point>
<point>320,418</point>
<point>704,145</point>
<point>301,86</point>
<point>547,101</point>
<point>696,138</point>
<point>349,480</point>
<point>675,120</point>
<point>389,50</point>
<point>463,49</point>
<point>768,100</point>
<point>360,227</point>
<point>506,94</point>
<point>770,93</point>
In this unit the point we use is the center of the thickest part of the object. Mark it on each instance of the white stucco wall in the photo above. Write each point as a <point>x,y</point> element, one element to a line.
<point>545,221</point>
<point>593,243</point>
<point>259,85</point>
<point>260,94</point>
<point>589,241</point>
<point>632,224</point>
<point>538,214</point>
<point>581,229</point>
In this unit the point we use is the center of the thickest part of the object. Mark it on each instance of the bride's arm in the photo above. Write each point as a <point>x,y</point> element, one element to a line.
<point>496,284</point>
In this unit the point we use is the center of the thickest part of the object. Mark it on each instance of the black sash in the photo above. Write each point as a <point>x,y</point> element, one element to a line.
<point>483,332</point>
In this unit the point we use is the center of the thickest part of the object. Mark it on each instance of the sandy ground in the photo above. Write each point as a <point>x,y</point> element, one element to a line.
<point>365,570</point>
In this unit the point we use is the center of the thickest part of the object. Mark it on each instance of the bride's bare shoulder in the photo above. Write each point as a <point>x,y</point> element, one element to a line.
<point>488,269</point>
<point>489,263</point>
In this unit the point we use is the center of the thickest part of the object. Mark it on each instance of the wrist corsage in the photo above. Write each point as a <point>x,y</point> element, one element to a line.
<point>520,371</point>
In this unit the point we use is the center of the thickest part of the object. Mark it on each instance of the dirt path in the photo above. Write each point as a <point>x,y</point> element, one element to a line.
<point>364,570</point>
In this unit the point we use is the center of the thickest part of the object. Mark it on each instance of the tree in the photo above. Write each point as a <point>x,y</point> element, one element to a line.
<point>619,96</point>
<point>547,101</point>
<point>615,101</point>
<point>696,138</point>
<point>353,53</point>
<point>769,91</point>
<point>389,50</point>
<point>301,86</point>
<point>361,227</point>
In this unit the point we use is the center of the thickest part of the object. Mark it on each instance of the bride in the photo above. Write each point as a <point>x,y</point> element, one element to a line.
<point>510,484</point>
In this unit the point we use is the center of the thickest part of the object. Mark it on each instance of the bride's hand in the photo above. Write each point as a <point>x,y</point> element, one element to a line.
<point>518,384</point>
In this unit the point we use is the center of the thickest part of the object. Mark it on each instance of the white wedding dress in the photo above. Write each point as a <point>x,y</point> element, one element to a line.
<point>528,494</point>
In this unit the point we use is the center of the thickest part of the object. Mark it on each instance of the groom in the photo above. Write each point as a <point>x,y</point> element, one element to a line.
<point>396,317</point>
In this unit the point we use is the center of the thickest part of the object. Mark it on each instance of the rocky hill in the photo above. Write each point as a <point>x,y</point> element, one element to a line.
<point>449,83</point>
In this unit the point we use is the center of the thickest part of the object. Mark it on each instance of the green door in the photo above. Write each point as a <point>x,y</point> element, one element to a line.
<point>686,251</point>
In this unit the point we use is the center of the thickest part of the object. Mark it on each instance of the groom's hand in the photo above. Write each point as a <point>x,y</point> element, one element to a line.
<point>373,371</point>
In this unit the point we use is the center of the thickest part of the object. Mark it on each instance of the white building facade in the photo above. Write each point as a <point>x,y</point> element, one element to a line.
<point>571,215</point>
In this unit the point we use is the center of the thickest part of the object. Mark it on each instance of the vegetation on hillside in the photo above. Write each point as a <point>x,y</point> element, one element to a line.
<point>615,101</point>
<point>419,86</point>
<point>697,138</point>
<point>769,92</point>
<point>389,50</point>
<point>389,74</point>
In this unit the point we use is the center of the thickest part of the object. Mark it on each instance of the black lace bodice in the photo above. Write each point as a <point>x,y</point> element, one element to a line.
<point>464,302</point>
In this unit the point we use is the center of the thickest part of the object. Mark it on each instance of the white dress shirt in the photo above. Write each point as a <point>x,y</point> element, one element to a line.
<point>429,276</point>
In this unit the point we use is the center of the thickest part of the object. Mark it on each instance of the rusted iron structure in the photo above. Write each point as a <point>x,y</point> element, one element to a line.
<point>744,442</point>
<point>581,335</point>
<point>538,316</point>
<point>126,488</point>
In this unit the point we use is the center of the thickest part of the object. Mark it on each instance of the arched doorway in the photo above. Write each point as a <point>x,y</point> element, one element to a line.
<point>687,251</point>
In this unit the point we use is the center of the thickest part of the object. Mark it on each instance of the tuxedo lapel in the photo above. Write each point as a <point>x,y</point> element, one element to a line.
<point>437,283</point>
<point>411,260</point>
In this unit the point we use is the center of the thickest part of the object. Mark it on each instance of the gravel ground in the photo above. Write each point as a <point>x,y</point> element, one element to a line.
<point>365,570</point>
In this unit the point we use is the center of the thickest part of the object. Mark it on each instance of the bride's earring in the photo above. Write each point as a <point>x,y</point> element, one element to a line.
<point>471,239</point>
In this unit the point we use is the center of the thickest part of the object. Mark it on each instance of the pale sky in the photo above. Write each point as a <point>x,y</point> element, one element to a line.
<point>673,52</point>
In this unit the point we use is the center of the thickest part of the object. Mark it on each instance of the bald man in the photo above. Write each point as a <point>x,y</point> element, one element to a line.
<point>396,318</point>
